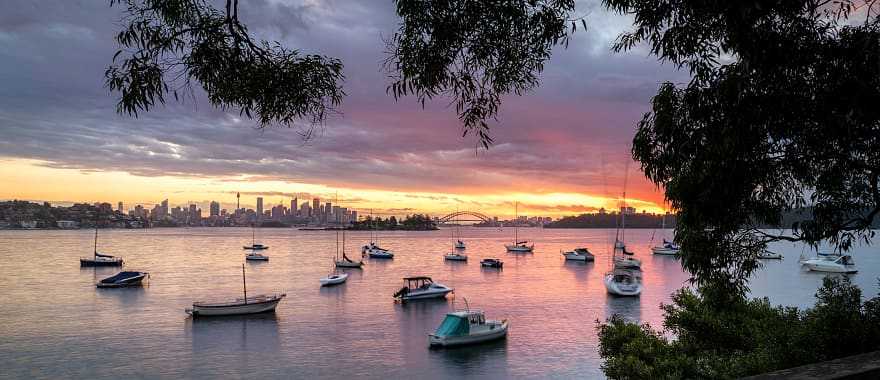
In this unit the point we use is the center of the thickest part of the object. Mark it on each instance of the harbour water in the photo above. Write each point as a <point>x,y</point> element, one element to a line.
<point>55,323</point>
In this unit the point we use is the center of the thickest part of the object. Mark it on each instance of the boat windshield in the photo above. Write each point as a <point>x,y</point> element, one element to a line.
<point>453,325</point>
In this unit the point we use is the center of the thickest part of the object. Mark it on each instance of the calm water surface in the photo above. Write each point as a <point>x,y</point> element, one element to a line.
<point>55,323</point>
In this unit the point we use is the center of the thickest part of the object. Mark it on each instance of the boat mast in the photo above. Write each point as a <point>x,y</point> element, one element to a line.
<point>515,222</point>
<point>96,238</point>
<point>244,283</point>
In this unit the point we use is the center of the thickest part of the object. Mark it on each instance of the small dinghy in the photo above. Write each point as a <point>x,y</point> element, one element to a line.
<point>768,255</point>
<point>376,252</point>
<point>492,263</point>
<point>123,279</point>
<point>624,282</point>
<point>247,305</point>
<point>334,279</point>
<point>417,288</point>
<point>455,256</point>
<point>256,256</point>
<point>467,327</point>
<point>98,259</point>
<point>579,254</point>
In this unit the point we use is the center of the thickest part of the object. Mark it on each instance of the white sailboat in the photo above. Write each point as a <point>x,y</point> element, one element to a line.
<point>455,254</point>
<point>625,277</point>
<point>373,249</point>
<point>518,246</point>
<point>459,244</point>
<point>668,247</point>
<point>625,259</point>
<point>246,305</point>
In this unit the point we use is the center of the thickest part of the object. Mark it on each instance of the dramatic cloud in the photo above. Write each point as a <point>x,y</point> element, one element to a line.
<point>571,135</point>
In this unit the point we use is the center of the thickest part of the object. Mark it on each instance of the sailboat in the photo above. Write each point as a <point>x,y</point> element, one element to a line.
<point>335,277</point>
<point>625,260</point>
<point>668,247</point>
<point>247,305</point>
<point>345,262</point>
<point>459,244</point>
<point>373,249</point>
<point>455,254</point>
<point>100,260</point>
<point>518,246</point>
<point>254,246</point>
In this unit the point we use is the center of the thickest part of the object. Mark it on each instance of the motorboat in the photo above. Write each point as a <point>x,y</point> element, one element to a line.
<point>831,264</point>
<point>667,248</point>
<point>334,279</point>
<point>520,246</point>
<point>422,287</point>
<point>769,255</point>
<point>256,256</point>
<point>579,254</point>
<point>624,282</point>
<point>123,279</point>
<point>455,256</point>
<point>99,259</point>
<point>492,263</point>
<point>460,244</point>
<point>262,303</point>
<point>375,251</point>
<point>467,327</point>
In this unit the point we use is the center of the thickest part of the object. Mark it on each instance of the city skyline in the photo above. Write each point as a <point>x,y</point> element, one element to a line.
<point>563,148</point>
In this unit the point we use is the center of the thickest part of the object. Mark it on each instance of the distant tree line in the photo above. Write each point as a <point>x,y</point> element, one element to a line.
<point>417,222</point>
<point>613,221</point>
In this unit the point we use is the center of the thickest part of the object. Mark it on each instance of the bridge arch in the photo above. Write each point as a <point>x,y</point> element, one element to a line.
<point>466,216</point>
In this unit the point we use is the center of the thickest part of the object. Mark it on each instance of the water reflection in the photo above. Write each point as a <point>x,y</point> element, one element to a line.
<point>242,333</point>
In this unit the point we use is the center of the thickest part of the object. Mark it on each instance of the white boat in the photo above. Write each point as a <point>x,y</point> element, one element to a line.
<point>246,305</point>
<point>256,256</point>
<point>460,244</point>
<point>455,256</point>
<point>375,251</point>
<point>768,255</point>
<point>467,327</point>
<point>123,280</point>
<point>417,288</point>
<point>334,279</point>
<point>831,264</point>
<point>667,248</point>
<point>345,261</point>
<point>99,259</point>
<point>579,254</point>
<point>624,282</point>
<point>518,246</point>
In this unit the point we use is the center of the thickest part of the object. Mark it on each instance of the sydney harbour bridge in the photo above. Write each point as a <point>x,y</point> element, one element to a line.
<point>466,216</point>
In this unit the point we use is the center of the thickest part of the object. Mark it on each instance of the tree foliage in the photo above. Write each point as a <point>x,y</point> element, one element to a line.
<point>165,45</point>
<point>748,337</point>
<point>474,52</point>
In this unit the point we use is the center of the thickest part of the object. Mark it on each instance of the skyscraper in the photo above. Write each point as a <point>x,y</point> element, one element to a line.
<point>293,207</point>
<point>316,207</point>
<point>237,201</point>
<point>259,207</point>
<point>164,210</point>
<point>215,208</point>
<point>120,207</point>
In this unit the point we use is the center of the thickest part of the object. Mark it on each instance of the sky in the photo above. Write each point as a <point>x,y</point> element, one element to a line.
<point>561,149</point>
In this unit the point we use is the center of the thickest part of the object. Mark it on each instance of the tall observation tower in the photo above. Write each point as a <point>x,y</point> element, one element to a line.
<point>237,201</point>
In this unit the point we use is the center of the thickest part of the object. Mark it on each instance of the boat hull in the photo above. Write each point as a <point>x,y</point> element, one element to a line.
<point>328,281</point>
<point>84,262</point>
<point>664,251</point>
<point>519,248</point>
<point>256,248</point>
<point>819,267</point>
<point>240,308</point>
<point>256,258</point>
<point>129,282</point>
<point>412,296</point>
<point>482,337</point>
<point>492,264</point>
<point>380,255</point>
<point>455,257</point>
<point>576,257</point>
<point>349,264</point>
<point>620,289</point>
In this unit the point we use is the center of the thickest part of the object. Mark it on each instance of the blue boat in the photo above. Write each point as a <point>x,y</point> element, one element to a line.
<point>123,279</point>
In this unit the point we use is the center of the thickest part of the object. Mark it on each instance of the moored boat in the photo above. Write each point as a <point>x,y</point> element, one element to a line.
<point>255,247</point>
<point>667,248</point>
<point>256,256</point>
<point>262,303</point>
<point>460,244</point>
<point>830,264</point>
<point>624,282</point>
<point>374,251</point>
<point>123,279</point>
<point>98,259</point>
<point>334,279</point>
<point>467,327</point>
<point>579,254</point>
<point>520,246</point>
<point>455,256</point>
<point>769,255</point>
<point>421,287</point>
<point>492,263</point>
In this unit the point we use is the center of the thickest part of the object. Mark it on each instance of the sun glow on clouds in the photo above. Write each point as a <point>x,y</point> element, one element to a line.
<point>38,181</point>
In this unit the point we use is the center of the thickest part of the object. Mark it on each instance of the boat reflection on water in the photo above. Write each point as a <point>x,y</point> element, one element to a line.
<point>234,334</point>
<point>630,308</point>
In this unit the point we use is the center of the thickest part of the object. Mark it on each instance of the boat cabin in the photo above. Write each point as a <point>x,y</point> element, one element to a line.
<point>459,323</point>
<point>420,282</point>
